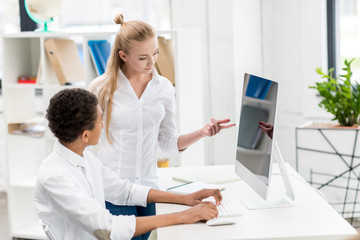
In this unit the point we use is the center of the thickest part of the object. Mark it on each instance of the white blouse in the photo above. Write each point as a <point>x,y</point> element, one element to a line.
<point>70,197</point>
<point>137,127</point>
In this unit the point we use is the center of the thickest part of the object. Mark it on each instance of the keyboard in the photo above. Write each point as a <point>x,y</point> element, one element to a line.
<point>228,207</point>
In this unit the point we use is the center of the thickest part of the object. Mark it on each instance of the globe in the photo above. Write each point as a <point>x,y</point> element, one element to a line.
<point>42,11</point>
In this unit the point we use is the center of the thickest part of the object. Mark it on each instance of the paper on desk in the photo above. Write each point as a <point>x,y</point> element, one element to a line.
<point>209,176</point>
<point>193,187</point>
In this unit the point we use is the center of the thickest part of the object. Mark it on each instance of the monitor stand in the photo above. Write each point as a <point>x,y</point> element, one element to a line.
<point>286,200</point>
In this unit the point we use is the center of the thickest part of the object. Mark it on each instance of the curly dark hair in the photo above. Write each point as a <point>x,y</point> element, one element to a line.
<point>71,112</point>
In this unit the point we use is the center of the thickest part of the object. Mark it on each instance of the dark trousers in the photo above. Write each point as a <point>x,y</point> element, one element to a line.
<point>133,210</point>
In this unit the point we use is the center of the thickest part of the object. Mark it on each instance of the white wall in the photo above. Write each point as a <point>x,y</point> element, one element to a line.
<point>283,40</point>
<point>3,168</point>
<point>248,47</point>
<point>214,19</point>
<point>155,12</point>
<point>294,45</point>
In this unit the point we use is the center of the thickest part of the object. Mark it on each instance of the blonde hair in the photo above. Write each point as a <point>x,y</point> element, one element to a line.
<point>107,83</point>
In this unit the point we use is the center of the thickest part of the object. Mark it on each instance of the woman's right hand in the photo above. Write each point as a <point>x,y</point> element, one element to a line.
<point>201,212</point>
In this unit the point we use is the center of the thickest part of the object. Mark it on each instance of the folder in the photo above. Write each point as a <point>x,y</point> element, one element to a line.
<point>65,60</point>
<point>165,62</point>
<point>257,87</point>
<point>99,52</point>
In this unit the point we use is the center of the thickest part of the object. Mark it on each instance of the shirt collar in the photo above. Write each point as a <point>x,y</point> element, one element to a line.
<point>73,158</point>
<point>121,76</point>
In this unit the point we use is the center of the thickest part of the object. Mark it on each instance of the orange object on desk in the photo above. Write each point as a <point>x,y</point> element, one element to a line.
<point>164,162</point>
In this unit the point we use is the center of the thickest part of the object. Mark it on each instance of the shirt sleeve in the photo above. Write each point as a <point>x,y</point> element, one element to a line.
<point>87,213</point>
<point>121,192</point>
<point>168,136</point>
<point>122,226</point>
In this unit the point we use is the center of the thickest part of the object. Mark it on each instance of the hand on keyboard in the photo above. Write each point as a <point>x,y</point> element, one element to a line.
<point>228,207</point>
<point>195,198</point>
<point>201,212</point>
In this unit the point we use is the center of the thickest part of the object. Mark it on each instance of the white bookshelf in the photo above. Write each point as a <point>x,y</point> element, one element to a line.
<point>21,56</point>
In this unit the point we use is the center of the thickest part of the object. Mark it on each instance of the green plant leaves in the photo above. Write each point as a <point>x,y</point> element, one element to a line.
<point>339,96</point>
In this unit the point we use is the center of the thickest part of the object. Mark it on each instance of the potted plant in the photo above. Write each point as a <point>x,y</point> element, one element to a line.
<point>341,98</point>
<point>327,155</point>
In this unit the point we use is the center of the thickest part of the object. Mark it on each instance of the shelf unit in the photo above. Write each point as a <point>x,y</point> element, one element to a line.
<point>21,56</point>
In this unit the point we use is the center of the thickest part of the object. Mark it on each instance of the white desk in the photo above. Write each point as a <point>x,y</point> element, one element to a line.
<point>311,217</point>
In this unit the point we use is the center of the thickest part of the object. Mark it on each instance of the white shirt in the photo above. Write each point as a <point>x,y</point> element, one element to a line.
<point>137,127</point>
<point>70,197</point>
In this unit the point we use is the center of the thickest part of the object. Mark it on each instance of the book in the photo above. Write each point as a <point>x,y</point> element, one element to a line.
<point>26,79</point>
<point>258,87</point>
<point>209,176</point>
<point>65,60</point>
<point>99,52</point>
<point>165,61</point>
<point>191,187</point>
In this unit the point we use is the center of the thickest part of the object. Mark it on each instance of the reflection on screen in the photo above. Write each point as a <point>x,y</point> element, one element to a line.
<point>256,126</point>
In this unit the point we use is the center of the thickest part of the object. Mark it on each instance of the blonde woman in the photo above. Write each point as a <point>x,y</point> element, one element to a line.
<point>139,112</point>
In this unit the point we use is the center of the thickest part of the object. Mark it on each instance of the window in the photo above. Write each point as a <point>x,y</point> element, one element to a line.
<point>343,19</point>
<point>349,34</point>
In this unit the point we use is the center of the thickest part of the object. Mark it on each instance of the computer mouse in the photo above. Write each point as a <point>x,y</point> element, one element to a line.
<point>219,221</point>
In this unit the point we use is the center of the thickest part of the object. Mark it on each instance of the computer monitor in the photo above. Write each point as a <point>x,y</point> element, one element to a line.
<point>256,143</point>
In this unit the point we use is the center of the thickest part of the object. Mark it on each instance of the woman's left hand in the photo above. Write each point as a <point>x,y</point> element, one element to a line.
<point>214,126</point>
<point>195,198</point>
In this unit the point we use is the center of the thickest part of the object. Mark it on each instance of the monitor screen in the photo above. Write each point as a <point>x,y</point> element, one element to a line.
<point>256,131</point>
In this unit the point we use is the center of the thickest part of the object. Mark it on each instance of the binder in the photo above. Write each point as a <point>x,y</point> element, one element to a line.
<point>99,52</point>
<point>165,62</point>
<point>65,60</point>
<point>258,87</point>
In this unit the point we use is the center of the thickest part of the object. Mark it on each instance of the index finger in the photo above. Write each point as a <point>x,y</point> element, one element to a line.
<point>265,124</point>
<point>226,120</point>
<point>218,197</point>
<point>227,126</point>
<point>264,127</point>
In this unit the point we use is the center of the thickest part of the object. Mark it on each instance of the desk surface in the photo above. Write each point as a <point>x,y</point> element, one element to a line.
<point>311,217</point>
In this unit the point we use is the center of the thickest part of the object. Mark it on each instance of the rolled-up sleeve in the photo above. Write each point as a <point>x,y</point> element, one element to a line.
<point>123,227</point>
<point>168,136</point>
